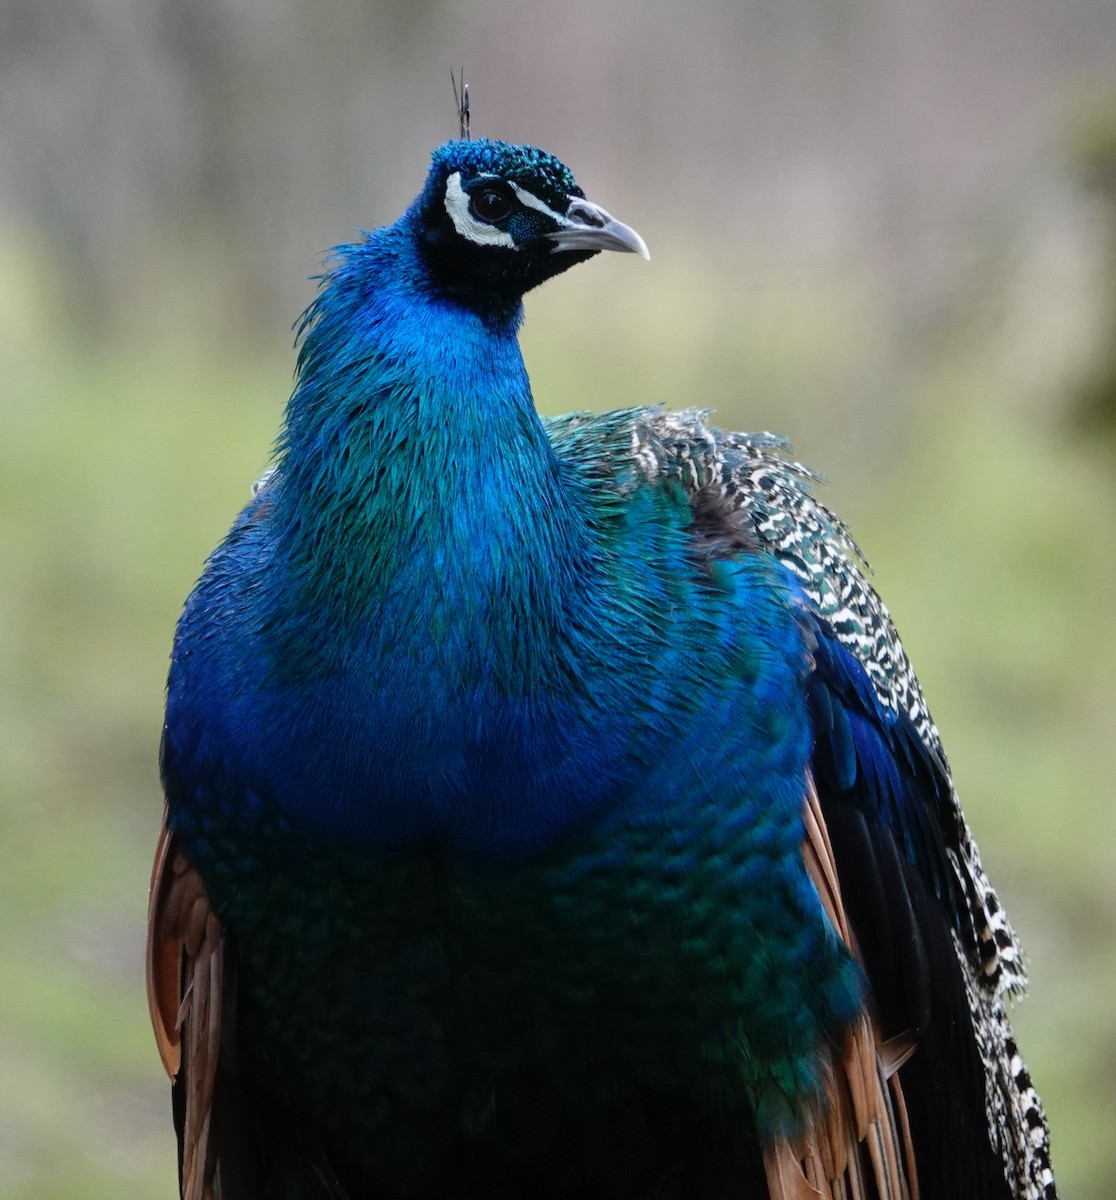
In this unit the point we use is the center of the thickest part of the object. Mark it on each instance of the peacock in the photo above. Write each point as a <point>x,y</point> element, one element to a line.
<point>551,808</point>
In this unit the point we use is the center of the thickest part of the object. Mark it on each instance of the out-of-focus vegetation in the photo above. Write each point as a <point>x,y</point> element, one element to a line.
<point>1092,145</point>
<point>865,235</point>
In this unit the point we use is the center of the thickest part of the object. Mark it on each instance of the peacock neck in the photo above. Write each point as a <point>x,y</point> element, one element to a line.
<point>412,447</point>
<point>425,632</point>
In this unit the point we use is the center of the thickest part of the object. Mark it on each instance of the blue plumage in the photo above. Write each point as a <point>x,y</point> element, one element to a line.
<point>872,756</point>
<point>499,757</point>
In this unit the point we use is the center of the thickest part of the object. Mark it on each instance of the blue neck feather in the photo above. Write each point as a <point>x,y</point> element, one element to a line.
<point>412,445</point>
<point>441,568</point>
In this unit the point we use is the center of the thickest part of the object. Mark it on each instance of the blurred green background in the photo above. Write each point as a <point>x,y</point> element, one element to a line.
<point>888,230</point>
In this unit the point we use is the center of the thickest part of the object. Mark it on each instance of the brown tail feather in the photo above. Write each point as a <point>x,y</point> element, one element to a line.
<point>859,1147</point>
<point>185,976</point>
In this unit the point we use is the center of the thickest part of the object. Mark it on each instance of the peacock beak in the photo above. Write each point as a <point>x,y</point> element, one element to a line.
<point>588,227</point>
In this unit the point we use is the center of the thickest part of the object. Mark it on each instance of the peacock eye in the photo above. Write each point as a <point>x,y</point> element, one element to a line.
<point>490,204</point>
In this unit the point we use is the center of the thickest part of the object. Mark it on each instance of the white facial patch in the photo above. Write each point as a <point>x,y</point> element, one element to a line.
<point>457,205</point>
<point>481,233</point>
<point>530,200</point>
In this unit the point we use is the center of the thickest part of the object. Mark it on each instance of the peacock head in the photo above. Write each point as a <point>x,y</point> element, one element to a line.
<point>496,220</point>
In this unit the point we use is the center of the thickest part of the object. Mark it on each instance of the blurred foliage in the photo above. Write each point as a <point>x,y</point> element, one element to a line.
<point>131,126</point>
<point>1092,151</point>
<point>109,498</point>
<point>122,461</point>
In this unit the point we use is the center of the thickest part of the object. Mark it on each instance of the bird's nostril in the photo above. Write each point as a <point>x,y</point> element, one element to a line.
<point>586,214</point>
